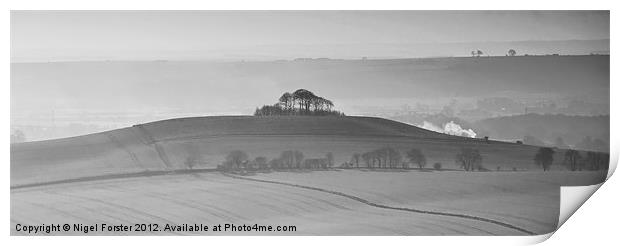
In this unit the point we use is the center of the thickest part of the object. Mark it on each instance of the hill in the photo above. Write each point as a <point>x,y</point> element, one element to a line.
<point>164,145</point>
<point>534,129</point>
<point>330,202</point>
<point>548,127</point>
<point>202,86</point>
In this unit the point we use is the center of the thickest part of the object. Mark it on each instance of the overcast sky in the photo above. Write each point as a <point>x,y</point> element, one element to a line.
<point>49,35</point>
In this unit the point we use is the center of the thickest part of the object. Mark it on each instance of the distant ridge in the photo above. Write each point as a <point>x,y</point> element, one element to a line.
<point>379,80</point>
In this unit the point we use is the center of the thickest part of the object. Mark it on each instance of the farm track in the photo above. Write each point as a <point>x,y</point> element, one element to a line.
<point>463,216</point>
<point>151,141</point>
<point>120,145</point>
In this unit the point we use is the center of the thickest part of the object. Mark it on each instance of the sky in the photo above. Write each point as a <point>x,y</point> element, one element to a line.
<point>136,35</point>
<point>116,91</point>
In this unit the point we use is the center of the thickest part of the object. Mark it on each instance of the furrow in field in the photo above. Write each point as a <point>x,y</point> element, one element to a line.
<point>464,216</point>
<point>213,198</point>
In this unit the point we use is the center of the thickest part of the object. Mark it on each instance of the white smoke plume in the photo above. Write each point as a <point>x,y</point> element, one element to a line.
<point>450,128</point>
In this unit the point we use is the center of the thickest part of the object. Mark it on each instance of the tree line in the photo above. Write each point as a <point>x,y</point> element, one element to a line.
<point>573,160</point>
<point>382,158</point>
<point>470,159</point>
<point>238,160</point>
<point>389,158</point>
<point>300,102</point>
<point>467,159</point>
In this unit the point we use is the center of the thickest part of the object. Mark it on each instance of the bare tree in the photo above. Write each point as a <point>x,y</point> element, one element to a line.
<point>190,162</point>
<point>304,99</point>
<point>382,158</point>
<point>287,101</point>
<point>261,163</point>
<point>544,157</point>
<point>512,52</point>
<point>469,159</point>
<point>416,156</point>
<point>317,103</point>
<point>328,104</point>
<point>572,160</point>
<point>437,166</point>
<point>276,164</point>
<point>393,157</point>
<point>288,158</point>
<point>236,158</point>
<point>379,156</point>
<point>356,159</point>
<point>367,157</point>
<point>597,160</point>
<point>298,157</point>
<point>330,159</point>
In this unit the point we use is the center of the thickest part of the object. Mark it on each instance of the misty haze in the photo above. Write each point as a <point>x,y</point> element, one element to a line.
<point>327,121</point>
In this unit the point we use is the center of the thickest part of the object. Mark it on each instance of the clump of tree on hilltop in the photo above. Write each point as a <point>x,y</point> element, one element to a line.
<point>300,102</point>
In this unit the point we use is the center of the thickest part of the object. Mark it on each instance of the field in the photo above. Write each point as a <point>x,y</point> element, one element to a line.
<point>92,185</point>
<point>213,198</point>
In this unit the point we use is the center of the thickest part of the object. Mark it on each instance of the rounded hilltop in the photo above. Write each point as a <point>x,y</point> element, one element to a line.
<point>285,125</point>
<point>164,145</point>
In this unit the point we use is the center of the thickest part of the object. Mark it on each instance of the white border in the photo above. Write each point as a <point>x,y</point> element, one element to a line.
<point>310,5</point>
<point>596,223</point>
